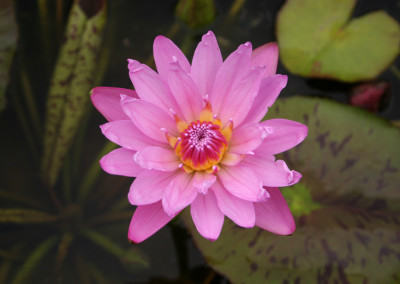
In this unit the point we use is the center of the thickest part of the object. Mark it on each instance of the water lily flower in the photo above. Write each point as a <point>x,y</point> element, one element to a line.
<point>191,135</point>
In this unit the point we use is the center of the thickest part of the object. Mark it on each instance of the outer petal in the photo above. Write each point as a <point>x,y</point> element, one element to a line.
<point>165,52</point>
<point>150,87</point>
<point>149,118</point>
<point>274,215</point>
<point>207,216</point>
<point>269,90</point>
<point>107,101</point>
<point>185,92</point>
<point>120,162</point>
<point>286,134</point>
<point>247,138</point>
<point>238,210</point>
<point>127,135</point>
<point>273,174</point>
<point>179,193</point>
<point>228,82</point>
<point>242,182</point>
<point>146,221</point>
<point>157,158</point>
<point>207,60</point>
<point>149,187</point>
<point>266,55</point>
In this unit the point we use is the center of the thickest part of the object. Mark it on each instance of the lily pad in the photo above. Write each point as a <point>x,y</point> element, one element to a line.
<point>349,230</point>
<point>8,41</point>
<point>318,39</point>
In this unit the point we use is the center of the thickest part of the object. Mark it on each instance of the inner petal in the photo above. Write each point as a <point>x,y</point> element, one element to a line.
<point>201,145</point>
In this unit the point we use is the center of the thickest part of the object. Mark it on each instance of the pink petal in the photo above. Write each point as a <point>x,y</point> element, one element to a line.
<point>286,134</point>
<point>247,138</point>
<point>107,101</point>
<point>179,193</point>
<point>274,215</point>
<point>165,52</point>
<point>157,158</point>
<point>228,82</point>
<point>120,162</point>
<point>242,182</point>
<point>267,56</point>
<point>232,159</point>
<point>150,87</point>
<point>185,92</point>
<point>202,181</point>
<point>206,216</point>
<point>149,187</point>
<point>237,105</point>
<point>146,221</point>
<point>127,135</point>
<point>270,89</point>
<point>149,118</point>
<point>238,210</point>
<point>272,174</point>
<point>207,59</point>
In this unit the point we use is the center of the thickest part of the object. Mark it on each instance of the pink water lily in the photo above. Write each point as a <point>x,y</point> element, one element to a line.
<point>191,135</point>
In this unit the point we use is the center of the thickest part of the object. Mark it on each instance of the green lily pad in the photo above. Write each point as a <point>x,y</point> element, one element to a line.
<point>318,39</point>
<point>349,230</point>
<point>8,42</point>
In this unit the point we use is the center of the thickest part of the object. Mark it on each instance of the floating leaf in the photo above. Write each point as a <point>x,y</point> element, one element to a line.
<point>8,41</point>
<point>317,39</point>
<point>350,163</point>
<point>25,216</point>
<point>71,83</point>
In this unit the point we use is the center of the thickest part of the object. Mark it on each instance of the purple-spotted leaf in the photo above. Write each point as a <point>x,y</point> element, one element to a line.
<point>8,41</point>
<point>346,207</point>
<point>318,39</point>
<point>72,80</point>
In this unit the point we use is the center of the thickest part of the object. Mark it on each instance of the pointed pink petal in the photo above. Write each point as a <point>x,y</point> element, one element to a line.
<point>202,181</point>
<point>149,186</point>
<point>286,134</point>
<point>274,214</point>
<point>157,158</point>
<point>146,221</point>
<point>206,216</point>
<point>107,101</point>
<point>228,82</point>
<point>179,193</point>
<point>207,60</point>
<point>165,52</point>
<point>127,135</point>
<point>150,87</point>
<point>120,162</point>
<point>242,182</point>
<point>149,118</point>
<point>238,210</point>
<point>185,92</point>
<point>247,138</point>
<point>269,90</point>
<point>266,55</point>
<point>272,174</point>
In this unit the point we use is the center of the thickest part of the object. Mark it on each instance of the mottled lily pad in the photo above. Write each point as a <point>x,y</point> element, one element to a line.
<point>8,42</point>
<point>318,39</point>
<point>349,230</point>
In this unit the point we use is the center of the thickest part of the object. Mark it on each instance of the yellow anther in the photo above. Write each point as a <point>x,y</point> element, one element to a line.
<point>180,124</point>
<point>227,131</point>
<point>206,114</point>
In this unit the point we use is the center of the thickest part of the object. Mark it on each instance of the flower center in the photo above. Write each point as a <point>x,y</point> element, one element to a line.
<point>201,145</point>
